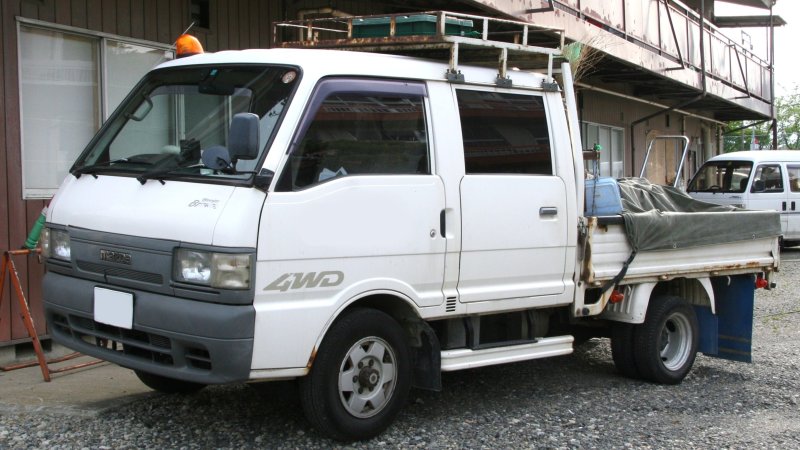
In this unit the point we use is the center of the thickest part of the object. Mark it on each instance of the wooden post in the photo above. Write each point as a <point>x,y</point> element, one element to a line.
<point>24,312</point>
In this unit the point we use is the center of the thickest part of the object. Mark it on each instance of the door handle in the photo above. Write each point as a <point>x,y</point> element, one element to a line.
<point>442,224</point>
<point>792,206</point>
<point>784,206</point>
<point>548,211</point>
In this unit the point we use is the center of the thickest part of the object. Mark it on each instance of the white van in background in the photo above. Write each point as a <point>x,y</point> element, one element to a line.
<point>766,179</point>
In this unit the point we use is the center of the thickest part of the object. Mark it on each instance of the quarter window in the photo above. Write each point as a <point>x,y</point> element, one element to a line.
<point>504,133</point>
<point>360,134</point>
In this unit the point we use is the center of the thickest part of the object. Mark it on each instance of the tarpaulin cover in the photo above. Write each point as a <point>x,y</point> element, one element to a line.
<point>662,217</point>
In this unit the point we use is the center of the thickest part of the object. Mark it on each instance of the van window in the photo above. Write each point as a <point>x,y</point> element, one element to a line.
<point>722,176</point>
<point>767,178</point>
<point>794,177</point>
<point>359,134</point>
<point>504,133</point>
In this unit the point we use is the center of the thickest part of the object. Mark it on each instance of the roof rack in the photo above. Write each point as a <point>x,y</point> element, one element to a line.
<point>436,35</point>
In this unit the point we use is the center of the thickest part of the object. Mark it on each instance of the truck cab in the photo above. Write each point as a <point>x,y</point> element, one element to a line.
<point>336,180</point>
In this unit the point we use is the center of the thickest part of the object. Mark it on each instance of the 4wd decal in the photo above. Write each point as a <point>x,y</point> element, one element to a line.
<point>306,280</point>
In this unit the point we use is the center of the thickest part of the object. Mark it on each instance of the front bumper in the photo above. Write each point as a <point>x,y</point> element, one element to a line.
<point>189,340</point>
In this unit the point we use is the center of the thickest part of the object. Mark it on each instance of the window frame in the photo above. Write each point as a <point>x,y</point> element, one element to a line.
<point>328,86</point>
<point>589,146</point>
<point>758,171</point>
<point>100,42</point>
<point>794,181</point>
<point>494,90</point>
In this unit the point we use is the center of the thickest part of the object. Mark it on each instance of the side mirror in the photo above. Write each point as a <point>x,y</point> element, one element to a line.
<point>759,186</point>
<point>243,137</point>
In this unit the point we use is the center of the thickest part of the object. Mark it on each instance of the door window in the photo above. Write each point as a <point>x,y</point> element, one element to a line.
<point>504,133</point>
<point>360,134</point>
<point>768,178</point>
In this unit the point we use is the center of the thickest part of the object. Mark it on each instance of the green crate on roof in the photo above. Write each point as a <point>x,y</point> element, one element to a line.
<point>415,25</point>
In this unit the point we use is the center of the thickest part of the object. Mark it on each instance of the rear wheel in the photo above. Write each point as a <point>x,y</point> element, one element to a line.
<point>622,350</point>
<point>666,343</point>
<point>360,378</point>
<point>168,385</point>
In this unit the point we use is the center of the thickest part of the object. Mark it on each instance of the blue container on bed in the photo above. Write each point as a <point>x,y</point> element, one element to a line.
<point>602,197</point>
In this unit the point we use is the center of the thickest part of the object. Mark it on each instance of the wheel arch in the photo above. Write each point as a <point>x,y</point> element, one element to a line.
<point>633,308</point>
<point>422,340</point>
<point>696,291</point>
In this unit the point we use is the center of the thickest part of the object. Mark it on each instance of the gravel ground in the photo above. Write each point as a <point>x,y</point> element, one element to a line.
<point>574,401</point>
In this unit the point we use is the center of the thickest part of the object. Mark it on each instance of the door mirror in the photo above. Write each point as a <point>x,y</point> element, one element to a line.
<point>243,137</point>
<point>759,186</point>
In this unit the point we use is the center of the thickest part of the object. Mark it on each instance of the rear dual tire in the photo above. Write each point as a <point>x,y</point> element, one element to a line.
<point>663,348</point>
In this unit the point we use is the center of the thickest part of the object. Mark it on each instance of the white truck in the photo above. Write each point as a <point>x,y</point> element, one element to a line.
<point>364,222</point>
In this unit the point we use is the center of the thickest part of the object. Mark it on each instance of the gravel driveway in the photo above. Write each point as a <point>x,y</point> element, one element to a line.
<point>574,401</point>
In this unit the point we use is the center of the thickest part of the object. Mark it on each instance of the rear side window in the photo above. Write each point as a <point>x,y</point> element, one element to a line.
<point>360,134</point>
<point>794,177</point>
<point>504,133</point>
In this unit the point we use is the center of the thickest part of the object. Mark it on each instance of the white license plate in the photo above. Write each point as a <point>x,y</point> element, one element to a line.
<point>113,308</point>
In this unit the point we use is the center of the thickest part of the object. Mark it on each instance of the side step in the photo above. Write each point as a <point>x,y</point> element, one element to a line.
<point>544,348</point>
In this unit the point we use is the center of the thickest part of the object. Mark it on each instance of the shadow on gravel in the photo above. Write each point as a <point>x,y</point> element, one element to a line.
<point>562,394</point>
<point>269,414</point>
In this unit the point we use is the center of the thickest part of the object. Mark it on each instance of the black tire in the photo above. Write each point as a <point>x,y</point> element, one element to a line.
<point>168,385</point>
<point>360,378</point>
<point>622,350</point>
<point>666,343</point>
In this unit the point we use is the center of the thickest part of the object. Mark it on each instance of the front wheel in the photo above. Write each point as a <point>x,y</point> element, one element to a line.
<point>666,343</point>
<point>361,376</point>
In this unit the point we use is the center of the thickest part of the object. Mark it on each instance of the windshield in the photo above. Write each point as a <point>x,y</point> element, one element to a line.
<point>176,114</point>
<point>722,176</point>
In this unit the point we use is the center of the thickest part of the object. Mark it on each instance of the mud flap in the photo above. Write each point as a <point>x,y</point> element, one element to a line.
<point>729,333</point>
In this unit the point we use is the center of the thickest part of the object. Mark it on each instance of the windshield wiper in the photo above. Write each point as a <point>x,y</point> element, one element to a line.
<point>92,168</point>
<point>160,170</point>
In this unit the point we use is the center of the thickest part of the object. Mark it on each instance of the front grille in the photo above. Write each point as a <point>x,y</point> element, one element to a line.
<point>118,272</point>
<point>137,344</point>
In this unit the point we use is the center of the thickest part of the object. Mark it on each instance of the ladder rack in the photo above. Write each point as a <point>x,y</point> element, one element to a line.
<point>436,35</point>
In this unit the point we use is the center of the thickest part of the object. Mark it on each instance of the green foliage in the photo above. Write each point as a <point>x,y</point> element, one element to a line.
<point>788,112</point>
<point>787,108</point>
<point>751,138</point>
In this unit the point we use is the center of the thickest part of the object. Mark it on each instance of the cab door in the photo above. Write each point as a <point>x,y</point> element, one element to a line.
<point>768,190</point>
<point>792,231</point>
<point>513,208</point>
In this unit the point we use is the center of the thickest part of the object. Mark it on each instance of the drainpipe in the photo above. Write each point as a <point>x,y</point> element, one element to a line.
<point>773,113</point>
<point>686,103</point>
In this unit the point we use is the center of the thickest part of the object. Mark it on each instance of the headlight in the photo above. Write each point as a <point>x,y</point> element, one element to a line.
<point>55,244</point>
<point>219,270</point>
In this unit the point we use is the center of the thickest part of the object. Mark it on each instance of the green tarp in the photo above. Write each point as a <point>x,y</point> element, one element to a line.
<point>661,217</point>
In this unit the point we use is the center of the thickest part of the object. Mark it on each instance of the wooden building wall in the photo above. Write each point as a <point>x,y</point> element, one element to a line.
<point>234,24</point>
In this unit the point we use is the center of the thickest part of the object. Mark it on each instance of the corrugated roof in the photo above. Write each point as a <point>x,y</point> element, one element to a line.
<point>754,3</point>
<point>748,21</point>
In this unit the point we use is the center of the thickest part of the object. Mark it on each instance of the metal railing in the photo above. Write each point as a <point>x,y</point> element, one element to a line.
<point>672,30</point>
